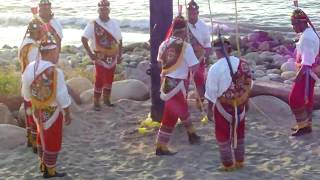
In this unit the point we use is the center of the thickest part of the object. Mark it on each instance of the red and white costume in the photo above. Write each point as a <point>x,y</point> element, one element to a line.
<point>229,111</point>
<point>176,57</point>
<point>47,90</point>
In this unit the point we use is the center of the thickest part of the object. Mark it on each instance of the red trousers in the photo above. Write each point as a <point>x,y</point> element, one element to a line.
<point>200,79</point>
<point>176,107</point>
<point>302,107</point>
<point>30,124</point>
<point>103,78</point>
<point>224,135</point>
<point>49,142</point>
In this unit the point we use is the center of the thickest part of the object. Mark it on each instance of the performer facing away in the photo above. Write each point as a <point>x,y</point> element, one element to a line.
<point>229,93</point>
<point>47,16</point>
<point>177,58</point>
<point>301,96</point>
<point>29,52</point>
<point>44,86</point>
<point>199,37</point>
<point>105,52</point>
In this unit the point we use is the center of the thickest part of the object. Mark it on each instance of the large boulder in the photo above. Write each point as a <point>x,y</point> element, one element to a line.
<point>288,75</point>
<point>127,89</point>
<point>253,56</point>
<point>87,96</point>
<point>273,71</point>
<point>259,73</point>
<point>266,56</point>
<point>278,60</point>
<point>288,66</point>
<point>6,115</point>
<point>130,89</point>
<point>11,137</point>
<point>79,84</point>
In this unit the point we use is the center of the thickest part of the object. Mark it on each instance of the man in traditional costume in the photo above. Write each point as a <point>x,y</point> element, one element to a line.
<point>301,96</point>
<point>44,85</point>
<point>199,38</point>
<point>105,52</point>
<point>177,58</point>
<point>29,52</point>
<point>47,17</point>
<point>228,94</point>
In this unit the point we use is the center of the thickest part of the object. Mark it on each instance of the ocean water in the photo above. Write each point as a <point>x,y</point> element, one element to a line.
<point>133,16</point>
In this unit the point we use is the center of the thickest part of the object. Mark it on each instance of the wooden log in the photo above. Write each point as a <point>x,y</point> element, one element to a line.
<point>279,90</point>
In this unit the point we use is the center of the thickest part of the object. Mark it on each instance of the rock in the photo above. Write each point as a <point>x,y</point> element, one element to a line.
<point>288,75</point>
<point>233,41</point>
<point>288,82</point>
<point>259,73</point>
<point>13,103</point>
<point>278,60</point>
<point>264,78</point>
<point>277,36</point>
<point>264,46</point>
<point>275,77</point>
<point>79,84</point>
<point>6,116</point>
<point>253,56</point>
<point>22,117</point>
<point>139,74</point>
<point>130,89</point>
<point>87,96</point>
<point>131,47</point>
<point>261,67</point>
<point>11,137</point>
<point>143,66</point>
<point>127,89</point>
<point>266,56</point>
<point>70,49</point>
<point>273,71</point>
<point>258,36</point>
<point>288,66</point>
<point>90,69</point>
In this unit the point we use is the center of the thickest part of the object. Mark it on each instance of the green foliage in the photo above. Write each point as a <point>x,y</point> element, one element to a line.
<point>10,81</point>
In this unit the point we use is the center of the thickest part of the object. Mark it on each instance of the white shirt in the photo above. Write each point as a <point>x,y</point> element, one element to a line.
<point>308,47</point>
<point>219,78</point>
<point>111,26</point>
<point>62,97</point>
<point>57,27</point>
<point>189,59</point>
<point>33,54</point>
<point>201,32</point>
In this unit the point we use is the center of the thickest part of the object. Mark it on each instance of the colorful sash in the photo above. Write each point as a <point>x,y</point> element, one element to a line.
<point>172,57</point>
<point>237,94</point>
<point>198,49</point>
<point>106,44</point>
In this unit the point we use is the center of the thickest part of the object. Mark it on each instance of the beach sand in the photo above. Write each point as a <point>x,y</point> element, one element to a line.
<point>105,145</point>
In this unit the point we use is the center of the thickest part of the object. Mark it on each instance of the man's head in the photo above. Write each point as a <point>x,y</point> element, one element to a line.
<point>35,29</point>
<point>299,20</point>
<point>179,26</point>
<point>45,11</point>
<point>218,46</point>
<point>193,12</point>
<point>49,49</point>
<point>104,10</point>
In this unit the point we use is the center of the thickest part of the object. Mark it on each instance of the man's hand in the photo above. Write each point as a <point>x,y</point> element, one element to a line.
<point>93,57</point>
<point>67,119</point>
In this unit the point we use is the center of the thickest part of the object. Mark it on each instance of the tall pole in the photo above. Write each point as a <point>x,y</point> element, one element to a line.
<point>161,14</point>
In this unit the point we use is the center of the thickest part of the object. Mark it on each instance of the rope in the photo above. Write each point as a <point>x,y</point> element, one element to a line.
<point>211,19</point>
<point>237,28</point>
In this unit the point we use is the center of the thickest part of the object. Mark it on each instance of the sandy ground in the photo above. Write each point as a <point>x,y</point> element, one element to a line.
<point>105,145</point>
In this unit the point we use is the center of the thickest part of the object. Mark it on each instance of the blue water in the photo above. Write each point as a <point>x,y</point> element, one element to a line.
<point>133,15</point>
